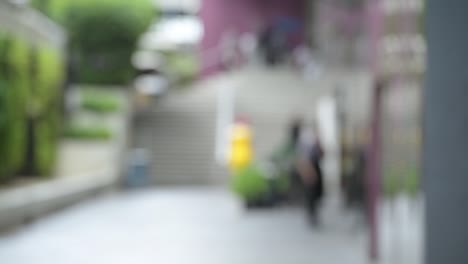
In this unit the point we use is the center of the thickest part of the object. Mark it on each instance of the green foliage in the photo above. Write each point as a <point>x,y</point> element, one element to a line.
<point>281,183</point>
<point>249,183</point>
<point>17,88</point>
<point>50,73</point>
<point>45,148</point>
<point>391,185</point>
<point>102,33</point>
<point>284,156</point>
<point>283,159</point>
<point>99,25</point>
<point>184,66</point>
<point>106,67</point>
<point>401,180</point>
<point>46,114</point>
<point>412,183</point>
<point>88,132</point>
<point>30,82</point>
<point>99,101</point>
<point>105,34</point>
<point>5,168</point>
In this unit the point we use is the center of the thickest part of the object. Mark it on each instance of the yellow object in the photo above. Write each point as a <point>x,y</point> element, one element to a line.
<point>241,153</point>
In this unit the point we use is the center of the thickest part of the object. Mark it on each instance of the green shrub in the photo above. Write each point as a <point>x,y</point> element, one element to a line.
<point>45,148</point>
<point>46,120</point>
<point>17,85</point>
<point>5,168</point>
<point>184,66</point>
<point>398,180</point>
<point>3,128</point>
<point>4,118</point>
<point>88,132</point>
<point>282,184</point>
<point>249,183</point>
<point>103,34</point>
<point>31,75</point>
<point>412,183</point>
<point>100,102</point>
<point>30,81</point>
<point>106,67</point>
<point>391,185</point>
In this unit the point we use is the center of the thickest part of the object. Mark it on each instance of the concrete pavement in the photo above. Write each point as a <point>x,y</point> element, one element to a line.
<point>181,225</point>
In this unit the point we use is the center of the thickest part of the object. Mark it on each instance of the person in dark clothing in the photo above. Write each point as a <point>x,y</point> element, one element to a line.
<point>266,45</point>
<point>272,45</point>
<point>312,177</point>
<point>295,131</point>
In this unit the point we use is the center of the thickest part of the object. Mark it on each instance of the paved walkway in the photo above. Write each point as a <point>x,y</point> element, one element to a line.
<point>83,169</point>
<point>183,225</point>
<point>207,224</point>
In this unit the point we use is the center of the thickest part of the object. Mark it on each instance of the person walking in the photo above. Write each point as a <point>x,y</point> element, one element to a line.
<point>310,170</point>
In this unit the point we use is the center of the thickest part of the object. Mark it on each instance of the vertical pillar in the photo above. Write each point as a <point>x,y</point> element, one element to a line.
<point>375,27</point>
<point>445,160</point>
<point>374,171</point>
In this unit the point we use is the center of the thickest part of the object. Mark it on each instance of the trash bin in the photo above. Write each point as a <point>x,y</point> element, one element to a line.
<point>138,174</point>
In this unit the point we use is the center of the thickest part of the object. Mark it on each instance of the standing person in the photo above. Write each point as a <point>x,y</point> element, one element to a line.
<point>279,45</point>
<point>310,169</point>
<point>265,40</point>
<point>241,150</point>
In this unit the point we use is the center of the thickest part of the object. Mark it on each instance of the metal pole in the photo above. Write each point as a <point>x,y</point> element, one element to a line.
<point>374,172</point>
<point>375,19</point>
<point>445,154</point>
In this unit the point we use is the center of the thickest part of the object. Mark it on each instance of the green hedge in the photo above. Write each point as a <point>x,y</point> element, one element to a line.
<point>14,76</point>
<point>5,167</point>
<point>31,76</point>
<point>103,35</point>
<point>88,132</point>
<point>48,82</point>
<point>99,101</point>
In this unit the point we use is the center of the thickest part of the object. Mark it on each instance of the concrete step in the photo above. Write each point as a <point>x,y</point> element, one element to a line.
<point>179,132</point>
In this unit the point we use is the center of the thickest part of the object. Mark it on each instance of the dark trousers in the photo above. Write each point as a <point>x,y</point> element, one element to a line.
<point>314,193</point>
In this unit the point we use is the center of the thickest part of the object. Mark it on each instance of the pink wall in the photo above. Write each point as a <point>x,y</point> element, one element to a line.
<point>240,16</point>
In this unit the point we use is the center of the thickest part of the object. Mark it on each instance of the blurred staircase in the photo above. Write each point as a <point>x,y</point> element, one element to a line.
<point>179,132</point>
<point>180,129</point>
